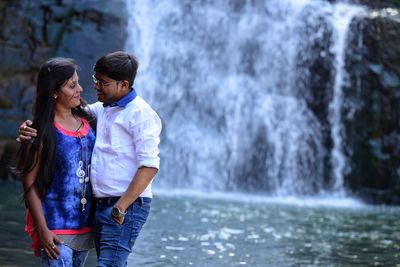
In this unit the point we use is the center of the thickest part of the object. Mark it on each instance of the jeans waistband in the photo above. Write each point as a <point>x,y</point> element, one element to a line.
<point>108,201</point>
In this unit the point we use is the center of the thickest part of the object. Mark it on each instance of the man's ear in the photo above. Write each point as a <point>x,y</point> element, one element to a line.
<point>125,84</point>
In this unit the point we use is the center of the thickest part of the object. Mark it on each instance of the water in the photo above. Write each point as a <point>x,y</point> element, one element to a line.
<point>14,247</point>
<point>232,83</point>
<point>341,20</point>
<point>187,229</point>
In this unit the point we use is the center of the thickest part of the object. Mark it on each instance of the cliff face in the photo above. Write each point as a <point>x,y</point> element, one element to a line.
<point>379,3</point>
<point>33,31</point>
<point>372,108</point>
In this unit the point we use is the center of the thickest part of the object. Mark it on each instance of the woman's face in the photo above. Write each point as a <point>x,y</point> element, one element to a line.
<point>69,95</point>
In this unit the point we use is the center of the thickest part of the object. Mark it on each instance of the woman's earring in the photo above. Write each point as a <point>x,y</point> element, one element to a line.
<point>55,96</point>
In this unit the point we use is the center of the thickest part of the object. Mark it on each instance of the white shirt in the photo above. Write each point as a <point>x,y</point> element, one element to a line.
<point>127,138</point>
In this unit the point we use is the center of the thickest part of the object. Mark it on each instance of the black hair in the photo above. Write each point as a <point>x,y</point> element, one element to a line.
<point>52,76</point>
<point>118,66</point>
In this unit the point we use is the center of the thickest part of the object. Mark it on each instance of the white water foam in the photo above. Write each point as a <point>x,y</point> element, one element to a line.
<point>223,78</point>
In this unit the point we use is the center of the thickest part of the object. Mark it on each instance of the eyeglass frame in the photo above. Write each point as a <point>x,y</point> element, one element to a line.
<point>102,84</point>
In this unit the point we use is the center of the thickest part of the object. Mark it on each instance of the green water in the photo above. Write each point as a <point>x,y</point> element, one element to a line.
<point>195,231</point>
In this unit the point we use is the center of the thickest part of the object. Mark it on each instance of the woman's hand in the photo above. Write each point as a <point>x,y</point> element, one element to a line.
<point>49,242</point>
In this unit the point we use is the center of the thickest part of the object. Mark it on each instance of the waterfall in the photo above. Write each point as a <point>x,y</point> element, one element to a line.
<point>238,86</point>
<point>341,20</point>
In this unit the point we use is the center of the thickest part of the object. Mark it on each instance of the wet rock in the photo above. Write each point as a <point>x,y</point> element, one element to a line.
<point>32,32</point>
<point>379,3</point>
<point>8,152</point>
<point>372,109</point>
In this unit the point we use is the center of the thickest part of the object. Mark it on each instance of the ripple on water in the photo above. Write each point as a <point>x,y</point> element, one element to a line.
<point>183,231</point>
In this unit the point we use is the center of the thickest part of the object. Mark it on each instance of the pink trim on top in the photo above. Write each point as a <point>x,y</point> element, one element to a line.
<point>30,229</point>
<point>84,131</point>
<point>72,231</point>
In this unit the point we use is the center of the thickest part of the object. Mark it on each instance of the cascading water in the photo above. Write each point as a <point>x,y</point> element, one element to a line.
<point>341,19</point>
<point>231,82</point>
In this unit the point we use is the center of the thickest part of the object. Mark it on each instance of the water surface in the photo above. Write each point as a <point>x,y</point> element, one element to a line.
<point>188,230</point>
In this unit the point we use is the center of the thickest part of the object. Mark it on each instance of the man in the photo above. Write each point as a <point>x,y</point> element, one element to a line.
<point>125,158</point>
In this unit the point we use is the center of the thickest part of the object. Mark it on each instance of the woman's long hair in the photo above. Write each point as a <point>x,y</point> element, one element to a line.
<point>52,76</point>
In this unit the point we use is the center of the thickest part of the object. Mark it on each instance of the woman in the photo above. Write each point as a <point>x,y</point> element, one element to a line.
<point>55,168</point>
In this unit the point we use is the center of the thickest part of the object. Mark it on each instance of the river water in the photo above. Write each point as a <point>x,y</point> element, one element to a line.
<point>189,229</point>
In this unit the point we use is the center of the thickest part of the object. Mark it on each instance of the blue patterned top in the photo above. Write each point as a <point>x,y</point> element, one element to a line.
<point>62,205</point>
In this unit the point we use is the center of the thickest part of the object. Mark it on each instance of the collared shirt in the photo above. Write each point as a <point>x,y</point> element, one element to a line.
<point>127,139</point>
<point>123,101</point>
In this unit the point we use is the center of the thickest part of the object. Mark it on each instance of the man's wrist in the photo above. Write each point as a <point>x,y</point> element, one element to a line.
<point>117,213</point>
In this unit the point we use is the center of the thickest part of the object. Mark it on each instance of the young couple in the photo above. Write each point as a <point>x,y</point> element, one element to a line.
<point>79,182</point>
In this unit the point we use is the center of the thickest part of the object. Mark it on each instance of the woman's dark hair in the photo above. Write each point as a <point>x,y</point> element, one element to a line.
<point>52,76</point>
<point>118,66</point>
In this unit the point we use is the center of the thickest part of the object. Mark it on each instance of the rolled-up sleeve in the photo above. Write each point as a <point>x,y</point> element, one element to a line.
<point>146,130</point>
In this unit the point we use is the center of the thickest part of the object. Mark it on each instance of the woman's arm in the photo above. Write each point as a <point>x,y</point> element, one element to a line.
<point>47,238</point>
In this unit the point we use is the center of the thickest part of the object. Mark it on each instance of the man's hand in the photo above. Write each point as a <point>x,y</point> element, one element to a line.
<point>119,220</point>
<point>118,215</point>
<point>26,133</point>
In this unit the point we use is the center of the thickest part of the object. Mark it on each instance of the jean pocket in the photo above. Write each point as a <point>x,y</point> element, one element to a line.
<point>106,217</point>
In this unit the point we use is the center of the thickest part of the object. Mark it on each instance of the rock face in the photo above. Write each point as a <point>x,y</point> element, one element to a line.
<point>379,3</point>
<point>372,113</point>
<point>33,31</point>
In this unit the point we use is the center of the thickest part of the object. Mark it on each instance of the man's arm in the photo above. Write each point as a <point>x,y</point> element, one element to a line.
<point>141,180</point>
<point>26,133</point>
<point>146,136</point>
<point>94,109</point>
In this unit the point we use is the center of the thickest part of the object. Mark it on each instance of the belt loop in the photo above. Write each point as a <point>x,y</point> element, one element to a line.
<point>140,199</point>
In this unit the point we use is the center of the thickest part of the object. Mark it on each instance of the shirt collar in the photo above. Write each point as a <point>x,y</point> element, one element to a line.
<point>123,102</point>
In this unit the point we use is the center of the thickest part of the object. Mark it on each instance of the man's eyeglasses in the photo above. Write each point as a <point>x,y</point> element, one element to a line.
<point>101,83</point>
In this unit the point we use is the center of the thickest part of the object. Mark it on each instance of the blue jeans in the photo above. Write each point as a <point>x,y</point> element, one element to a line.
<point>67,258</point>
<point>114,242</point>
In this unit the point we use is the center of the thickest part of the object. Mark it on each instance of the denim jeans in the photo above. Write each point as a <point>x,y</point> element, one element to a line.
<point>67,258</point>
<point>114,242</point>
